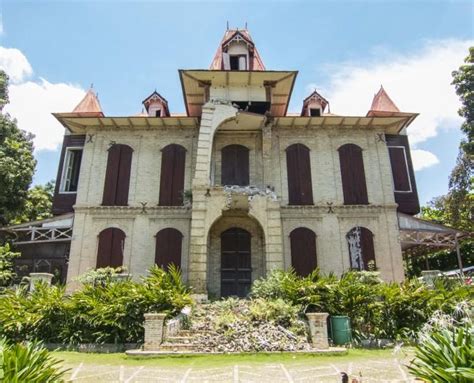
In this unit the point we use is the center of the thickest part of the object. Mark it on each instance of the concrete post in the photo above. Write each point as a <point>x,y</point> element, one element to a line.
<point>154,327</point>
<point>40,277</point>
<point>318,329</point>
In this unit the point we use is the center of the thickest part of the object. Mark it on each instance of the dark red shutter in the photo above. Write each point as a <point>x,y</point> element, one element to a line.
<point>367,245</point>
<point>235,165</point>
<point>300,187</point>
<point>353,175</point>
<point>110,251</point>
<point>117,176</point>
<point>173,160</point>
<point>168,248</point>
<point>398,161</point>
<point>303,251</point>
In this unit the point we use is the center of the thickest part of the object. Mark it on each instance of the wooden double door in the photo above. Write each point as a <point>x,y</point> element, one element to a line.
<point>236,265</point>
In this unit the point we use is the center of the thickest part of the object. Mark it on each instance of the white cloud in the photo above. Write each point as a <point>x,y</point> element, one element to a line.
<point>15,64</point>
<point>419,82</point>
<point>423,159</point>
<point>32,102</point>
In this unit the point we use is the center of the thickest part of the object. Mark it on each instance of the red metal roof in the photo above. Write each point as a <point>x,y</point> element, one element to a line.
<point>256,63</point>
<point>89,105</point>
<point>382,103</point>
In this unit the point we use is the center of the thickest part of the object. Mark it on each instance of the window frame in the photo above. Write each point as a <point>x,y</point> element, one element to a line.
<point>406,167</point>
<point>66,160</point>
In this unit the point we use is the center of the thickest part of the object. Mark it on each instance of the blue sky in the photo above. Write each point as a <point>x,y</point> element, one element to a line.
<point>55,50</point>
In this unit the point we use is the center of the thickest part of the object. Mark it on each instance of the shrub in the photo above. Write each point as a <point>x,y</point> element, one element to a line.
<point>28,362</point>
<point>446,349</point>
<point>105,312</point>
<point>6,265</point>
<point>277,311</point>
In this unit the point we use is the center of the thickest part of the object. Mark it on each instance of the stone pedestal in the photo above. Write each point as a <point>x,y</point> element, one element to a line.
<point>318,329</point>
<point>40,277</point>
<point>154,327</point>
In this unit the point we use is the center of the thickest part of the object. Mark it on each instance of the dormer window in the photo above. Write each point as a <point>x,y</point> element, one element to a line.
<point>315,112</point>
<point>156,106</point>
<point>238,62</point>
<point>158,113</point>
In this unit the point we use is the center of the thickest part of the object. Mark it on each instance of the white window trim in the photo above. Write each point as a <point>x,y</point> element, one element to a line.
<point>63,175</point>
<point>406,166</point>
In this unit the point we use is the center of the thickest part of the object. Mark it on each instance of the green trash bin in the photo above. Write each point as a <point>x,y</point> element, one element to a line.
<point>340,330</point>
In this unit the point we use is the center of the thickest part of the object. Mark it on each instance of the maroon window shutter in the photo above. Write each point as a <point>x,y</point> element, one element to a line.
<point>173,160</point>
<point>300,186</point>
<point>168,248</point>
<point>123,178</point>
<point>111,176</point>
<point>110,250</point>
<point>367,245</point>
<point>235,165</point>
<point>401,178</point>
<point>353,176</point>
<point>117,176</point>
<point>303,251</point>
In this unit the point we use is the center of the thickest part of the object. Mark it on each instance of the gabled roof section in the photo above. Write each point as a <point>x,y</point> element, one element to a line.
<point>89,105</point>
<point>155,97</point>
<point>316,97</point>
<point>382,103</point>
<point>243,35</point>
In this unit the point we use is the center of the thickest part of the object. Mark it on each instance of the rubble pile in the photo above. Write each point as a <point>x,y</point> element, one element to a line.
<point>251,191</point>
<point>220,328</point>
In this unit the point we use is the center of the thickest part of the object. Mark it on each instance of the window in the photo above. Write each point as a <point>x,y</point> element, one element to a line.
<point>352,174</point>
<point>168,248</point>
<point>158,113</point>
<point>303,251</point>
<point>110,250</point>
<point>117,176</point>
<point>315,112</point>
<point>300,187</point>
<point>173,159</point>
<point>235,165</point>
<point>238,62</point>
<point>401,177</point>
<point>71,168</point>
<point>361,249</point>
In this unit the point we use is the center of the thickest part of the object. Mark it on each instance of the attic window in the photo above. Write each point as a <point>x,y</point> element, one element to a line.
<point>158,113</point>
<point>315,112</point>
<point>238,62</point>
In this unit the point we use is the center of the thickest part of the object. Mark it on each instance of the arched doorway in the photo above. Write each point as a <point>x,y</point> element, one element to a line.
<point>236,267</point>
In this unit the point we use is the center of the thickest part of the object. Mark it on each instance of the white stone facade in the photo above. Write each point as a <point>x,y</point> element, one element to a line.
<point>269,220</point>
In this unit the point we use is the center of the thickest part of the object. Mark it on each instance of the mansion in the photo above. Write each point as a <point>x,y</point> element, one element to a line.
<point>232,189</point>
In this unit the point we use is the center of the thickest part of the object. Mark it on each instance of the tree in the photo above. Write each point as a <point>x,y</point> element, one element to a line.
<point>6,265</point>
<point>38,204</point>
<point>463,81</point>
<point>17,163</point>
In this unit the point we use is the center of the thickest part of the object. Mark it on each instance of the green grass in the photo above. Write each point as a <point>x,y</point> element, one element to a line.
<point>74,358</point>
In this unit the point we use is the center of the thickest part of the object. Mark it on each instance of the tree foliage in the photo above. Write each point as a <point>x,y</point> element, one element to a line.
<point>6,265</point>
<point>463,80</point>
<point>17,163</point>
<point>38,204</point>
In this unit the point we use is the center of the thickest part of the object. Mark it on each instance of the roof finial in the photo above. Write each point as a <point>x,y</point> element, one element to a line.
<point>92,85</point>
<point>227,24</point>
<point>245,25</point>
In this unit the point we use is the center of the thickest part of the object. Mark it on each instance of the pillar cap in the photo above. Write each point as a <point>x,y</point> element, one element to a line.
<point>317,315</point>
<point>154,316</point>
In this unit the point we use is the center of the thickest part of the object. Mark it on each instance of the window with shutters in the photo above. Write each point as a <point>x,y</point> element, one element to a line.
<point>110,250</point>
<point>71,168</point>
<point>173,158</point>
<point>303,251</point>
<point>168,248</point>
<point>117,176</point>
<point>235,165</point>
<point>353,175</point>
<point>399,163</point>
<point>361,249</point>
<point>300,187</point>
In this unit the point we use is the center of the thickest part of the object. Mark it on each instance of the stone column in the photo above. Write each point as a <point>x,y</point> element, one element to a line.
<point>318,329</point>
<point>40,277</point>
<point>154,327</point>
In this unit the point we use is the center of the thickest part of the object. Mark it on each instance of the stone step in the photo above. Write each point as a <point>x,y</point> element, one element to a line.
<point>180,339</point>
<point>177,347</point>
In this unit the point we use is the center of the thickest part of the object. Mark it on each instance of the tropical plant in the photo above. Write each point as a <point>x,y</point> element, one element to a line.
<point>6,265</point>
<point>28,362</point>
<point>445,352</point>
